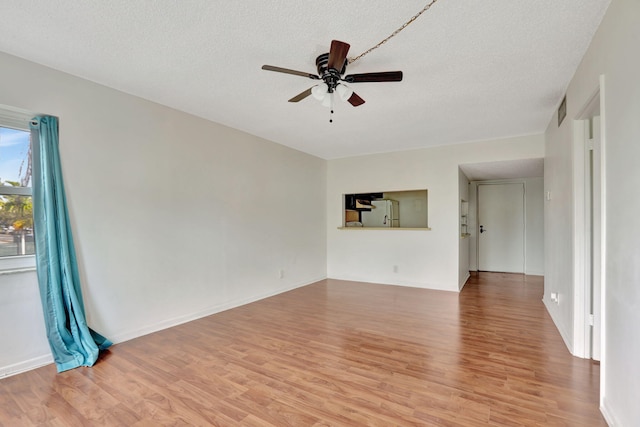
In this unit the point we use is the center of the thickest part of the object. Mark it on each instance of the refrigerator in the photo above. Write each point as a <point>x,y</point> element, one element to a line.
<point>384,213</point>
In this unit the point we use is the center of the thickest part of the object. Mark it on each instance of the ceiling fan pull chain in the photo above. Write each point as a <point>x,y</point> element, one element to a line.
<point>405,25</point>
<point>330,107</point>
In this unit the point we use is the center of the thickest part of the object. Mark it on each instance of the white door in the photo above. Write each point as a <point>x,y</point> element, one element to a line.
<point>501,227</point>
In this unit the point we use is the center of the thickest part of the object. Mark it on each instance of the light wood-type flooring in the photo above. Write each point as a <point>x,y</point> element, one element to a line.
<point>333,353</point>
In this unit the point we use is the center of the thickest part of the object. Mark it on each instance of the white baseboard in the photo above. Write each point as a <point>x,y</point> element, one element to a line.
<point>607,414</point>
<point>24,366</point>
<point>463,281</point>
<point>168,323</point>
<point>534,273</point>
<point>563,334</point>
<point>398,282</point>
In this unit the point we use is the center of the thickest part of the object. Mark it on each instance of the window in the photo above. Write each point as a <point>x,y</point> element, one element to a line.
<point>17,245</point>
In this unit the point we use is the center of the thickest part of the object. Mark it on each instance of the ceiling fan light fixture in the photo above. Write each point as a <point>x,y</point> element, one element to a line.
<point>344,92</point>
<point>319,91</point>
<point>327,101</point>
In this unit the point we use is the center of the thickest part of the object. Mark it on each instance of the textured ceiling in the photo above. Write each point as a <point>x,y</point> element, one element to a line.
<point>473,70</point>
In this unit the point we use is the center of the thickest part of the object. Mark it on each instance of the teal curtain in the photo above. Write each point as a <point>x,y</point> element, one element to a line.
<point>72,342</point>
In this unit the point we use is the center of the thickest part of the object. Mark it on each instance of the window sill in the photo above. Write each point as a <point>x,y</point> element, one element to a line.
<point>17,271</point>
<point>384,228</point>
<point>17,264</point>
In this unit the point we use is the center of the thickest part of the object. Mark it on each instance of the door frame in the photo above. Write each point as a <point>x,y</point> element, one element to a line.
<point>582,261</point>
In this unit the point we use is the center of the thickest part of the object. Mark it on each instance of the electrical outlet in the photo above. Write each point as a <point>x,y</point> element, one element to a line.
<point>281,273</point>
<point>395,268</point>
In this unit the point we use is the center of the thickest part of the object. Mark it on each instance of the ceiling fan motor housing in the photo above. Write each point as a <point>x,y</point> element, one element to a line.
<point>330,76</point>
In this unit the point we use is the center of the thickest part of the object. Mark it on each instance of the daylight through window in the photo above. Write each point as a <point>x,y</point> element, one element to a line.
<point>16,218</point>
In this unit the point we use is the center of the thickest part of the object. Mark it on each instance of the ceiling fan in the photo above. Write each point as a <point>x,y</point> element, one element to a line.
<point>331,68</point>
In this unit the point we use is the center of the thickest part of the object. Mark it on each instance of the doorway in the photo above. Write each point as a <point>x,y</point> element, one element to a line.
<point>526,172</point>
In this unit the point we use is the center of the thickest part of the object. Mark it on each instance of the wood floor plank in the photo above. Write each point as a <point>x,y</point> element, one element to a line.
<point>334,353</point>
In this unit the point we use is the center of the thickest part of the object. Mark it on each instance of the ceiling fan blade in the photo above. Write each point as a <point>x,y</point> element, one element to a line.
<point>301,96</point>
<point>386,76</point>
<point>338,54</point>
<point>288,71</point>
<point>355,100</point>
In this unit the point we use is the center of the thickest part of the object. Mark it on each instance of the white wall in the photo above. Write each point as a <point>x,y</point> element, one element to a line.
<point>24,340</point>
<point>613,53</point>
<point>428,259</point>
<point>534,225</point>
<point>174,217</point>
